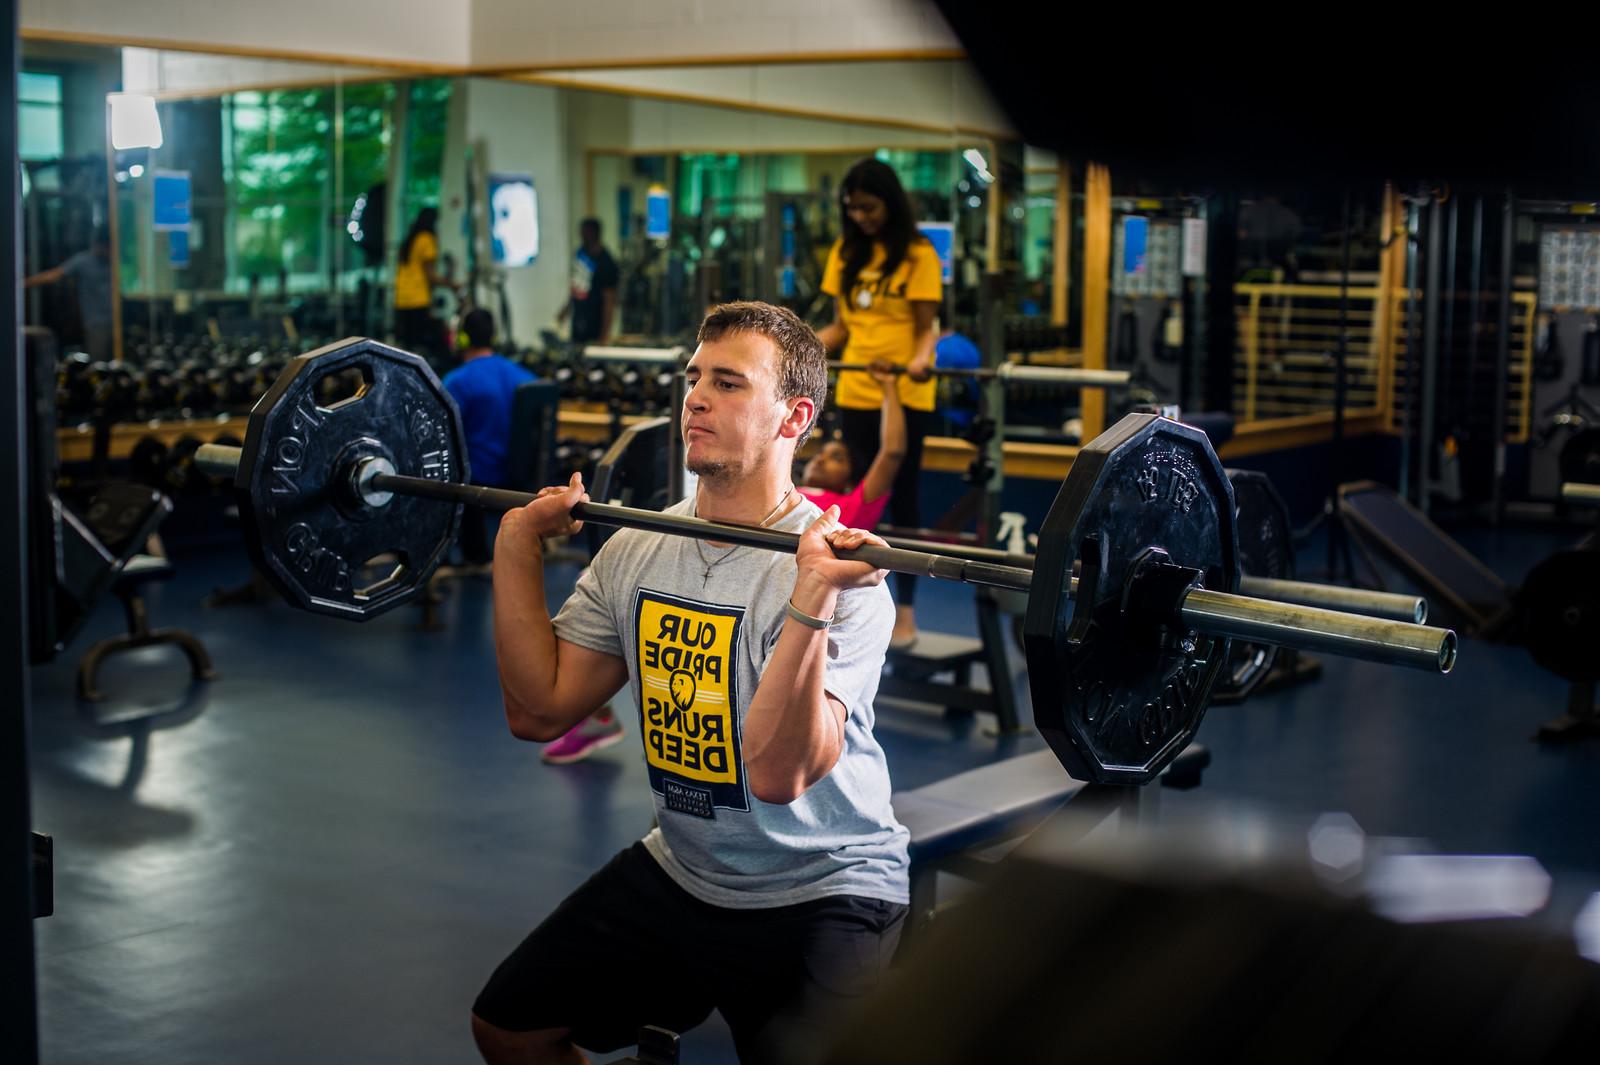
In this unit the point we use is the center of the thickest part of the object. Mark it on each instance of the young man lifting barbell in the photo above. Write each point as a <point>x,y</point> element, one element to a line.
<point>775,886</point>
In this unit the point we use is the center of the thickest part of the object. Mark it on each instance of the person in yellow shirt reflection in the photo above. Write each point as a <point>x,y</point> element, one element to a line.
<point>884,278</point>
<point>415,327</point>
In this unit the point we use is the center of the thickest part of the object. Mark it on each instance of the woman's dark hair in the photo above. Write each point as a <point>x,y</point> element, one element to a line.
<point>427,219</point>
<point>899,228</point>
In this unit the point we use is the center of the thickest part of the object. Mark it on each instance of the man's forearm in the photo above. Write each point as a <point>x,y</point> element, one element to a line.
<point>524,644</point>
<point>792,734</point>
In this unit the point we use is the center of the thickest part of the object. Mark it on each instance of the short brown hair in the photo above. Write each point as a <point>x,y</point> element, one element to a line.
<point>802,360</point>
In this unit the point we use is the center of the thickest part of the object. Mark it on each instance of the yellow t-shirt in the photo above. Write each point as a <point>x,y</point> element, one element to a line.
<point>411,289</point>
<point>877,312</point>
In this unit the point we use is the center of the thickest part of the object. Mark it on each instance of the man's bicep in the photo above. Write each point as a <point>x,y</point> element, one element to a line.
<point>586,679</point>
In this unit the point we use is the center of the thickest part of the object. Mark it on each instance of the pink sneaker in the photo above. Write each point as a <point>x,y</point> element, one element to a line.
<point>582,740</point>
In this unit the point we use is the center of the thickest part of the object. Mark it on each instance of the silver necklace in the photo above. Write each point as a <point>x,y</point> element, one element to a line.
<point>705,578</point>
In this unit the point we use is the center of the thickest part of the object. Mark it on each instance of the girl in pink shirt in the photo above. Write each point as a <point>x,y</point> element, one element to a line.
<point>830,477</point>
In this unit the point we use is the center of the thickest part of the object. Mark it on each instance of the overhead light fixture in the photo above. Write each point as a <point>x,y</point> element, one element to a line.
<point>979,165</point>
<point>134,121</point>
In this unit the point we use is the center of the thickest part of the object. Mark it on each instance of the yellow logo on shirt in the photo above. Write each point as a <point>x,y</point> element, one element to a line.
<point>687,697</point>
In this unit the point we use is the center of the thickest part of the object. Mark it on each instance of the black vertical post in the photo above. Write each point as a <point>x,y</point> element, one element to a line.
<point>1408,412</point>
<point>1428,379</point>
<point>1336,544</point>
<point>1222,267</point>
<point>1475,321</point>
<point>20,1029</point>
<point>1194,328</point>
<point>991,406</point>
<point>1502,356</point>
<point>1447,350</point>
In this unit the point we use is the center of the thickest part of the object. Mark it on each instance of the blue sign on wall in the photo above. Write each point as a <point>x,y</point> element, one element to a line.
<point>1135,239</point>
<point>657,213</point>
<point>178,247</point>
<point>942,235</point>
<point>171,193</point>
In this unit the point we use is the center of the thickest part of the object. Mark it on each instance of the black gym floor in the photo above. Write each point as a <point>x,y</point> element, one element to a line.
<point>321,855</point>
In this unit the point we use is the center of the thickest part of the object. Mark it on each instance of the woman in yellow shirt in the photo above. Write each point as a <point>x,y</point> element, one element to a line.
<point>415,327</point>
<point>884,278</point>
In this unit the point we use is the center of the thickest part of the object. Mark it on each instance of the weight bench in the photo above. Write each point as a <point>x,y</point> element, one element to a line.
<point>953,818</point>
<point>910,670</point>
<point>1471,595</point>
<point>134,574</point>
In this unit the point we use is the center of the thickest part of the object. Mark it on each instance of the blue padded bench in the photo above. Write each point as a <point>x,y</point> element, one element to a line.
<point>951,818</point>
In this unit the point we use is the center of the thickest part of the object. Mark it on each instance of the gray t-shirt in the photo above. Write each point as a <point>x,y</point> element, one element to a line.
<point>92,275</point>
<point>696,645</point>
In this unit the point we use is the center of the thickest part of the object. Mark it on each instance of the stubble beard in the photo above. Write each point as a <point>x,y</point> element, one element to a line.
<point>718,471</point>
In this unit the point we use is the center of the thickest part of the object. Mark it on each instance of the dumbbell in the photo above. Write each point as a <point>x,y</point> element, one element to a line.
<point>147,462</point>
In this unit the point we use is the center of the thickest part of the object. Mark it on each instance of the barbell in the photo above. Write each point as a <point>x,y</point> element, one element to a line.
<point>1016,372</point>
<point>1579,492</point>
<point>1396,606</point>
<point>1131,597</point>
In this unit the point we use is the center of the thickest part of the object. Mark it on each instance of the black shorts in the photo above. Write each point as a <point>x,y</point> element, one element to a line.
<point>630,948</point>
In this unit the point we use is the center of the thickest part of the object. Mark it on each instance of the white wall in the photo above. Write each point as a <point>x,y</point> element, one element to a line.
<point>554,32</point>
<point>630,123</point>
<point>152,70</point>
<point>661,125</point>
<point>502,33</point>
<point>938,94</point>
<point>514,128</point>
<point>596,120</point>
<point>426,32</point>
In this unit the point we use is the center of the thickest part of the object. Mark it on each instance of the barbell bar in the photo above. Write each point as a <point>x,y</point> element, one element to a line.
<point>1394,606</point>
<point>372,480</point>
<point>1580,492</point>
<point>1012,372</point>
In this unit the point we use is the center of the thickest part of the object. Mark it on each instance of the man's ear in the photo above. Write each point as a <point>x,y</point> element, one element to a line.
<point>801,413</point>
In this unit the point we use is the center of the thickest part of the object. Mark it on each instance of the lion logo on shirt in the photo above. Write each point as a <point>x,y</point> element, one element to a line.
<point>681,687</point>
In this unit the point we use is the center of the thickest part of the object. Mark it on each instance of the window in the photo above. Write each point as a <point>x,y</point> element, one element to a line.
<point>277,165</point>
<point>426,126</point>
<point>39,133</point>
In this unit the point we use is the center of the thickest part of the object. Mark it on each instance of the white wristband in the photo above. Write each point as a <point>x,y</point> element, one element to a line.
<point>805,619</point>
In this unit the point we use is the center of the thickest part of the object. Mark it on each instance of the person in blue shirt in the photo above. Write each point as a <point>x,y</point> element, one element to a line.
<point>483,386</point>
<point>955,351</point>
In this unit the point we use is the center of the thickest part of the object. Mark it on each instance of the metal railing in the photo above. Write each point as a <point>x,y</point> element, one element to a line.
<point>1288,337</point>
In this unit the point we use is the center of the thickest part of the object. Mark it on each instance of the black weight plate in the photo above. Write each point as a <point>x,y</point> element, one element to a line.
<point>1580,457</point>
<point>1265,550</point>
<point>319,546</point>
<point>1559,605</point>
<point>1118,698</point>
<point>147,462</point>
